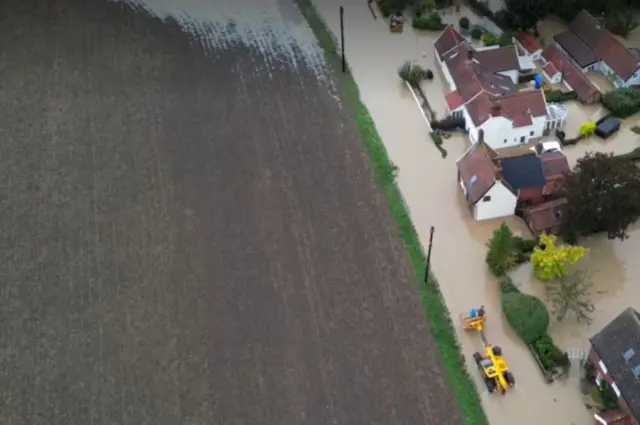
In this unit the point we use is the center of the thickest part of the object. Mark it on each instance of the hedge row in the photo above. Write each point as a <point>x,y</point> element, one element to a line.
<point>559,96</point>
<point>438,318</point>
<point>528,316</point>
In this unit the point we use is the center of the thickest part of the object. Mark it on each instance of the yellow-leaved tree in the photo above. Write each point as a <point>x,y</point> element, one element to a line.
<point>587,128</point>
<point>551,261</point>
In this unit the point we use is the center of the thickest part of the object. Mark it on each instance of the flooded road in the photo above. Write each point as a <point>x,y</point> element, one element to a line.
<point>428,184</point>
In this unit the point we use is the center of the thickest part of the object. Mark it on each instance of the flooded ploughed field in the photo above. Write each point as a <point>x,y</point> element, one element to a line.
<point>191,232</point>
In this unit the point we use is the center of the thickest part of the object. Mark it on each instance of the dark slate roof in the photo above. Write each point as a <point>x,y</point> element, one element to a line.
<point>522,172</point>
<point>611,343</point>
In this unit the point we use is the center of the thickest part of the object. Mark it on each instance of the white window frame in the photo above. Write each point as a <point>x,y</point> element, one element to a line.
<point>599,419</point>
<point>599,379</point>
<point>615,389</point>
<point>603,368</point>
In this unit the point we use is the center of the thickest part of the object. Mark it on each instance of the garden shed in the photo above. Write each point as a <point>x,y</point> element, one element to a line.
<point>607,126</point>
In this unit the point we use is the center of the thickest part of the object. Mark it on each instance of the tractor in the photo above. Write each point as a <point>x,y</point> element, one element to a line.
<point>396,22</point>
<point>493,369</point>
<point>474,320</point>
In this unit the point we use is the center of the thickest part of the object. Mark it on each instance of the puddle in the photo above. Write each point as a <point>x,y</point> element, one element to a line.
<point>429,186</point>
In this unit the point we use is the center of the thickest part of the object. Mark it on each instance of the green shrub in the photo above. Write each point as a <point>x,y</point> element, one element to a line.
<point>501,255</point>
<point>553,96</point>
<point>524,245</point>
<point>437,140</point>
<point>412,73</point>
<point>431,22</point>
<point>526,314</point>
<point>524,248</point>
<point>476,33</point>
<point>390,7</point>
<point>506,39</point>
<point>490,39</point>
<point>464,23</point>
<point>507,286</point>
<point>636,129</point>
<point>622,102</point>
<point>549,354</point>
<point>608,396</point>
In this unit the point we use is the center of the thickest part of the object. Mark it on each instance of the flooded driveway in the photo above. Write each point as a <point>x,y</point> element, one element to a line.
<point>428,184</point>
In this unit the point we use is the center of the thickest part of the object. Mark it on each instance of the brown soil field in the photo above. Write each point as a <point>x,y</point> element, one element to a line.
<point>187,240</point>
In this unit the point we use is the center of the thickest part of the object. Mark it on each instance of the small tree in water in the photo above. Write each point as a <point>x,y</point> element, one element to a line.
<point>412,73</point>
<point>571,293</point>
<point>551,261</point>
<point>502,254</point>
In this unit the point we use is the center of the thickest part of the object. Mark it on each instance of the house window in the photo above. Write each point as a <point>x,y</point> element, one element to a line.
<point>531,134</point>
<point>522,139</point>
<point>603,368</point>
<point>505,141</point>
<point>486,199</point>
<point>615,389</point>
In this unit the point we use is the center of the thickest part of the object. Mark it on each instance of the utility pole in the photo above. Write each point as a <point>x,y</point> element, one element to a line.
<point>428,265</point>
<point>344,61</point>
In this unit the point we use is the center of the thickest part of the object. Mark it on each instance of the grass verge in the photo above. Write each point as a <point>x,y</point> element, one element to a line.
<point>440,323</point>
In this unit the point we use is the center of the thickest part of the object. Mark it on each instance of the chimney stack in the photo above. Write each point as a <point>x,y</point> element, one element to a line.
<point>495,110</point>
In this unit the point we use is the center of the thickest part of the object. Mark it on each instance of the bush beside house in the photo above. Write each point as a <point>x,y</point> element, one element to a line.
<point>622,102</point>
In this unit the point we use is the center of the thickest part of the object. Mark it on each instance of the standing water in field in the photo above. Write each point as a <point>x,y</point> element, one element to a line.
<point>272,27</point>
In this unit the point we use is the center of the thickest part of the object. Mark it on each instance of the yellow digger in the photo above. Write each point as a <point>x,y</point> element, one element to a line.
<point>491,363</point>
<point>493,369</point>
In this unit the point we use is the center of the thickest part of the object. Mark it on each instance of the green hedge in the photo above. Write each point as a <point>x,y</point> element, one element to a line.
<point>549,356</point>
<point>559,96</point>
<point>622,102</point>
<point>438,318</point>
<point>430,22</point>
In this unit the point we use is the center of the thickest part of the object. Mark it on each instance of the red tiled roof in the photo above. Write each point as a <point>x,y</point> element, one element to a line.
<point>471,76</point>
<point>550,69</point>
<point>499,59</point>
<point>447,40</point>
<point>454,100</point>
<point>477,170</point>
<point>554,164</point>
<point>572,75</point>
<point>546,216</point>
<point>518,107</point>
<point>528,41</point>
<point>603,45</point>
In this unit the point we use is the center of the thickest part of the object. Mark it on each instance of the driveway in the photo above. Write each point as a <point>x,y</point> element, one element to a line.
<point>428,183</point>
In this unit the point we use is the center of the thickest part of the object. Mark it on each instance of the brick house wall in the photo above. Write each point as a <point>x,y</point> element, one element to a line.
<point>533,195</point>
<point>594,359</point>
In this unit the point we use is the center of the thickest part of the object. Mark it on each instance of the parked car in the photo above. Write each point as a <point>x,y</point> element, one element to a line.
<point>546,147</point>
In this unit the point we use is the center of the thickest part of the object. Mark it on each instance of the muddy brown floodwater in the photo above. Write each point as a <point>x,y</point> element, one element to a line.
<point>428,184</point>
